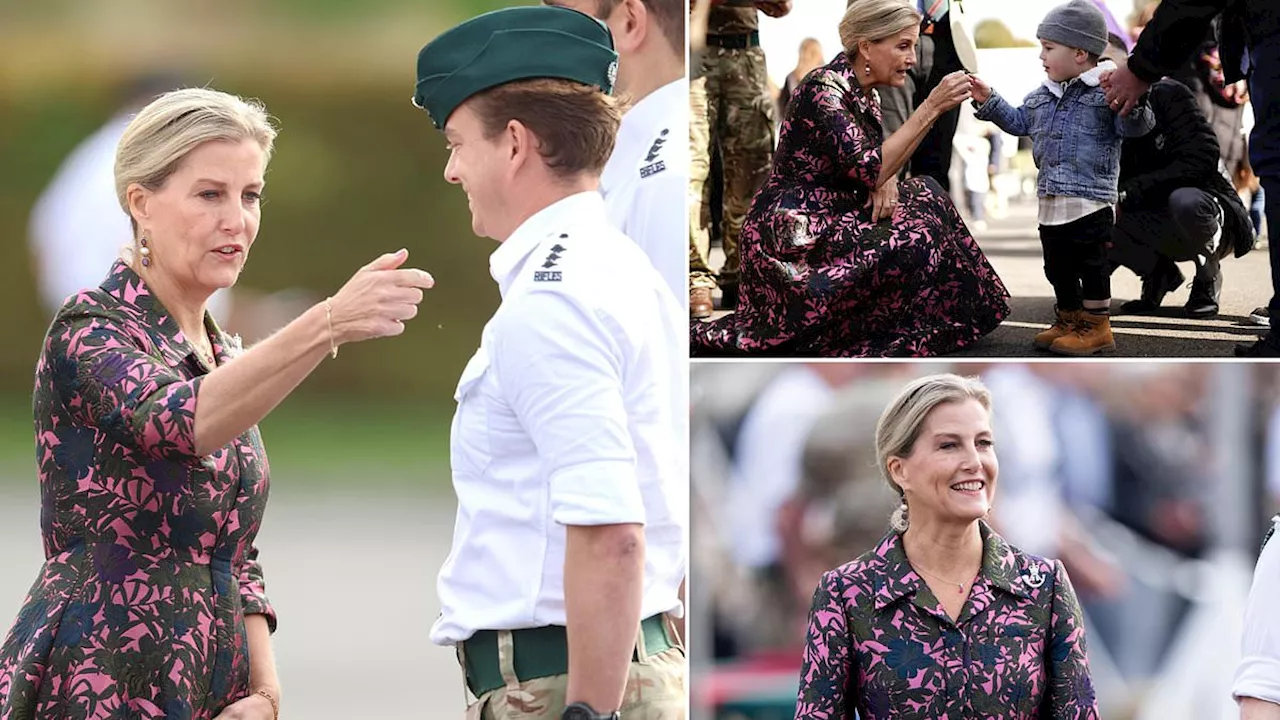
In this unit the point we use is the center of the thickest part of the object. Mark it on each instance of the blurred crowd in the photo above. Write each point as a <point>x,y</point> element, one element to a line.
<point>1141,478</point>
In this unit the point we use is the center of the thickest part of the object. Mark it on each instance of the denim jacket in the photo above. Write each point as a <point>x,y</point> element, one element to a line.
<point>1075,136</point>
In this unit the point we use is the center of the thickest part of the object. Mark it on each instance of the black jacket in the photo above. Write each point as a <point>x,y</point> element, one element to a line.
<point>1179,26</point>
<point>1180,151</point>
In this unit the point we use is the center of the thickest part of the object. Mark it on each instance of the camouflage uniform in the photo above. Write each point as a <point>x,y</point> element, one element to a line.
<point>655,690</point>
<point>729,105</point>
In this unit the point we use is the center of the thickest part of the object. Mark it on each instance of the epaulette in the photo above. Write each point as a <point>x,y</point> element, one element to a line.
<point>549,269</point>
<point>653,163</point>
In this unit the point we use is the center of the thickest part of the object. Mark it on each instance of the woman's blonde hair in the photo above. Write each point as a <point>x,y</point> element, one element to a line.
<point>900,424</point>
<point>874,20</point>
<point>808,58</point>
<point>164,132</point>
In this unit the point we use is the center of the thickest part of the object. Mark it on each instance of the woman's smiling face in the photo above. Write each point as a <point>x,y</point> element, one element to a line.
<point>950,474</point>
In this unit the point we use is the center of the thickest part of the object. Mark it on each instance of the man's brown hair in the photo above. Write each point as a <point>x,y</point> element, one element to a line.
<point>669,14</point>
<point>576,125</point>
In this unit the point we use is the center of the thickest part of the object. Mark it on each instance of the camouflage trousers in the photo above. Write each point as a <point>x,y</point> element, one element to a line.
<point>655,689</point>
<point>700,274</point>
<point>729,106</point>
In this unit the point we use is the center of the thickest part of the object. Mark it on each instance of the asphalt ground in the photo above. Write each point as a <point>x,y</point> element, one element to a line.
<point>1012,244</point>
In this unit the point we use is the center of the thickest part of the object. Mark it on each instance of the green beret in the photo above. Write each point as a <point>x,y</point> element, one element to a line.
<point>517,43</point>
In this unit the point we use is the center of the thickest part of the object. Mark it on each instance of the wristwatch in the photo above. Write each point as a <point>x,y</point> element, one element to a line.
<point>583,711</point>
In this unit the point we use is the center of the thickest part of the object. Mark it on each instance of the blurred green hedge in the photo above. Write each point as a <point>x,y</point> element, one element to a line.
<point>357,171</point>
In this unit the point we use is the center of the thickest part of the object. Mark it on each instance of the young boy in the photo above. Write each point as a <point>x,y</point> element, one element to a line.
<point>1076,145</point>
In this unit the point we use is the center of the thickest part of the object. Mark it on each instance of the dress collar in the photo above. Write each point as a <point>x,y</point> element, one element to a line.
<point>505,262</point>
<point>130,290</point>
<point>899,580</point>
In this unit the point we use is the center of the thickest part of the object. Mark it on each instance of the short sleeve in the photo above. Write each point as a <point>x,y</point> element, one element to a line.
<point>253,589</point>
<point>560,368</point>
<point>105,379</point>
<point>835,133</point>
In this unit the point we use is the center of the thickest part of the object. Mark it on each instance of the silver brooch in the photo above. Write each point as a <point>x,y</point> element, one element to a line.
<point>1034,577</point>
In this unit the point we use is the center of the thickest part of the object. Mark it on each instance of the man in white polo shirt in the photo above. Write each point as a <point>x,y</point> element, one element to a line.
<point>1257,684</point>
<point>647,177</point>
<point>567,446</point>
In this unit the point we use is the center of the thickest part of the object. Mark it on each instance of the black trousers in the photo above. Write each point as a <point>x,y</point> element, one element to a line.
<point>1182,230</point>
<point>1271,186</point>
<point>1075,259</point>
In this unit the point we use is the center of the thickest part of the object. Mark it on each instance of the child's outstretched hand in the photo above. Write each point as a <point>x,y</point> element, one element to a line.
<point>981,90</point>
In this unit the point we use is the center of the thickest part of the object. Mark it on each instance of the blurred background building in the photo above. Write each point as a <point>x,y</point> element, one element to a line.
<point>361,513</point>
<point>1152,482</point>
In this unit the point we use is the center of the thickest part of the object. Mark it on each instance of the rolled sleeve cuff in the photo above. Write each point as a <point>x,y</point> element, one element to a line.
<point>596,493</point>
<point>256,603</point>
<point>1258,677</point>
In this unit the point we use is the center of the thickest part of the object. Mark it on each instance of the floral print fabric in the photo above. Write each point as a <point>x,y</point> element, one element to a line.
<point>150,564</point>
<point>819,278</point>
<point>881,644</point>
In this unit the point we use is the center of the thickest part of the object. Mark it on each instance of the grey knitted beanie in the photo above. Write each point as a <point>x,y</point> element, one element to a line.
<point>1077,24</point>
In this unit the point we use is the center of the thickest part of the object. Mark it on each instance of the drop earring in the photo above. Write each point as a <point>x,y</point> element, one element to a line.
<point>144,251</point>
<point>868,68</point>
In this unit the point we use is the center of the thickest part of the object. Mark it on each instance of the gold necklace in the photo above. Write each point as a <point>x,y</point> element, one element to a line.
<point>959,586</point>
<point>205,355</point>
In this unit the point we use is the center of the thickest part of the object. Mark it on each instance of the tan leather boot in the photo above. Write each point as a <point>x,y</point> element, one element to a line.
<point>700,305</point>
<point>1060,327</point>
<point>1091,335</point>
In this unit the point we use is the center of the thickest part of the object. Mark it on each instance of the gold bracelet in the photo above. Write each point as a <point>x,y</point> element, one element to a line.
<point>328,317</point>
<point>275,704</point>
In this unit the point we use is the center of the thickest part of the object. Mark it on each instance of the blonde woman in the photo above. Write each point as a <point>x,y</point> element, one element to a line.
<point>151,602</point>
<point>810,59</point>
<point>831,235</point>
<point>944,619</point>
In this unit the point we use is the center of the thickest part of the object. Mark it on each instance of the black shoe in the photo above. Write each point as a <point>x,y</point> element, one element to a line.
<point>1266,347</point>
<point>1163,280</point>
<point>1261,316</point>
<point>1203,301</point>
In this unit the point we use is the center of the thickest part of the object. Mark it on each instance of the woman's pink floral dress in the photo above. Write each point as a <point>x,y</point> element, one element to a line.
<point>150,565</point>
<point>819,278</point>
<point>880,643</point>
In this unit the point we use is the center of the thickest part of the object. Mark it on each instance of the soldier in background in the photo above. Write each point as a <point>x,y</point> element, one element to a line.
<point>647,175</point>
<point>729,106</point>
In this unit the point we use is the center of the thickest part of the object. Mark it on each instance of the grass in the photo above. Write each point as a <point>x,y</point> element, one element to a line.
<point>323,443</point>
